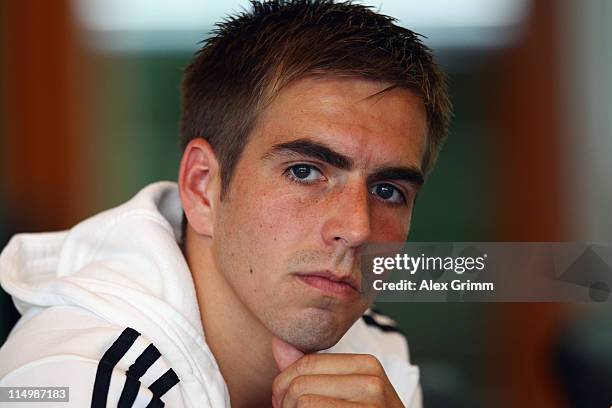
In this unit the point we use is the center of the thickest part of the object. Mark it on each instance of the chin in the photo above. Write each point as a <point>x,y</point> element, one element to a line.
<point>314,329</point>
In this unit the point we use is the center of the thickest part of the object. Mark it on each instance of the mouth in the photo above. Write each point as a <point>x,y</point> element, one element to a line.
<point>345,287</point>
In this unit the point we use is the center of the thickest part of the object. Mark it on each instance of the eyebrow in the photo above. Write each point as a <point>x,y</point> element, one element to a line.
<point>320,151</point>
<point>316,150</point>
<point>408,174</point>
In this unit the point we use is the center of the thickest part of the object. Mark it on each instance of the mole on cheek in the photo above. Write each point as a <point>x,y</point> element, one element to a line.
<point>251,270</point>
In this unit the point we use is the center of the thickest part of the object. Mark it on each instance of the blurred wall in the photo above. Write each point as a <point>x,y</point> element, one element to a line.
<point>586,92</point>
<point>42,156</point>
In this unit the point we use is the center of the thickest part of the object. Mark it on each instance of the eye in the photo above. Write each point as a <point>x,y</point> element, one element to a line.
<point>388,193</point>
<point>304,173</point>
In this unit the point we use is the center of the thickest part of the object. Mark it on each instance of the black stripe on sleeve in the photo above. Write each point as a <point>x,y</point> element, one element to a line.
<point>143,362</point>
<point>105,368</point>
<point>133,374</point>
<point>155,403</point>
<point>161,386</point>
<point>129,392</point>
<point>370,321</point>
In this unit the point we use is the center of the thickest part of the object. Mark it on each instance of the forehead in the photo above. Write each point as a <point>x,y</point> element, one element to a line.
<point>356,117</point>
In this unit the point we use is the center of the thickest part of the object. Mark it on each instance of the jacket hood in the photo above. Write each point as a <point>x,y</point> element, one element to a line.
<point>124,265</point>
<point>131,247</point>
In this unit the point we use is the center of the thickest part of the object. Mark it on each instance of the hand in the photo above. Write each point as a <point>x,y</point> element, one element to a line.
<point>329,380</point>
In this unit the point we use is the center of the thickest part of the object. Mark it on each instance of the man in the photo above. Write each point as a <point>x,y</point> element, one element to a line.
<point>308,128</point>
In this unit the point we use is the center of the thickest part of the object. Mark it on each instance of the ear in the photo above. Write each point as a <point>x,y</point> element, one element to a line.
<point>199,185</point>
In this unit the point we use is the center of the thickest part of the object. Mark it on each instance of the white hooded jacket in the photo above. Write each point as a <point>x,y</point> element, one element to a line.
<point>110,311</point>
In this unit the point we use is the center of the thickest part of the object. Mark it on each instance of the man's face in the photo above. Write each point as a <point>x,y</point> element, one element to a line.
<point>330,166</point>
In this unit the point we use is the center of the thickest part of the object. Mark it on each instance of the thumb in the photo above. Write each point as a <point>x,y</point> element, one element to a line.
<point>284,353</point>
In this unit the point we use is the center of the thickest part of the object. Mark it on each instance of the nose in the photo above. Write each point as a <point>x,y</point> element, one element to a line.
<point>348,220</point>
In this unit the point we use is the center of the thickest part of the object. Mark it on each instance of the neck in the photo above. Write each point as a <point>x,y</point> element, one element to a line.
<point>240,343</point>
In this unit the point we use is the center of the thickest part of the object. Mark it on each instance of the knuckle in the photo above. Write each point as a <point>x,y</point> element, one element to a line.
<point>375,385</point>
<point>372,363</point>
<point>306,364</point>
<point>296,388</point>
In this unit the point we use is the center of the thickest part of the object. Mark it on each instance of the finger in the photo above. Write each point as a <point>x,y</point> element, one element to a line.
<point>319,401</point>
<point>365,389</point>
<point>335,364</point>
<point>284,353</point>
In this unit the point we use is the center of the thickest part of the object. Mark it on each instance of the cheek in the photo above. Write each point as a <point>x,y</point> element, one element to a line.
<point>388,227</point>
<point>267,225</point>
<point>285,220</point>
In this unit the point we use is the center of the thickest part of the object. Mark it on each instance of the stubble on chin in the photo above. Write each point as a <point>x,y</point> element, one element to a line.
<point>312,329</point>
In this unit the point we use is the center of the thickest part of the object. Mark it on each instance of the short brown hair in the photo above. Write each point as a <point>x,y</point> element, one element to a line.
<point>251,56</point>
